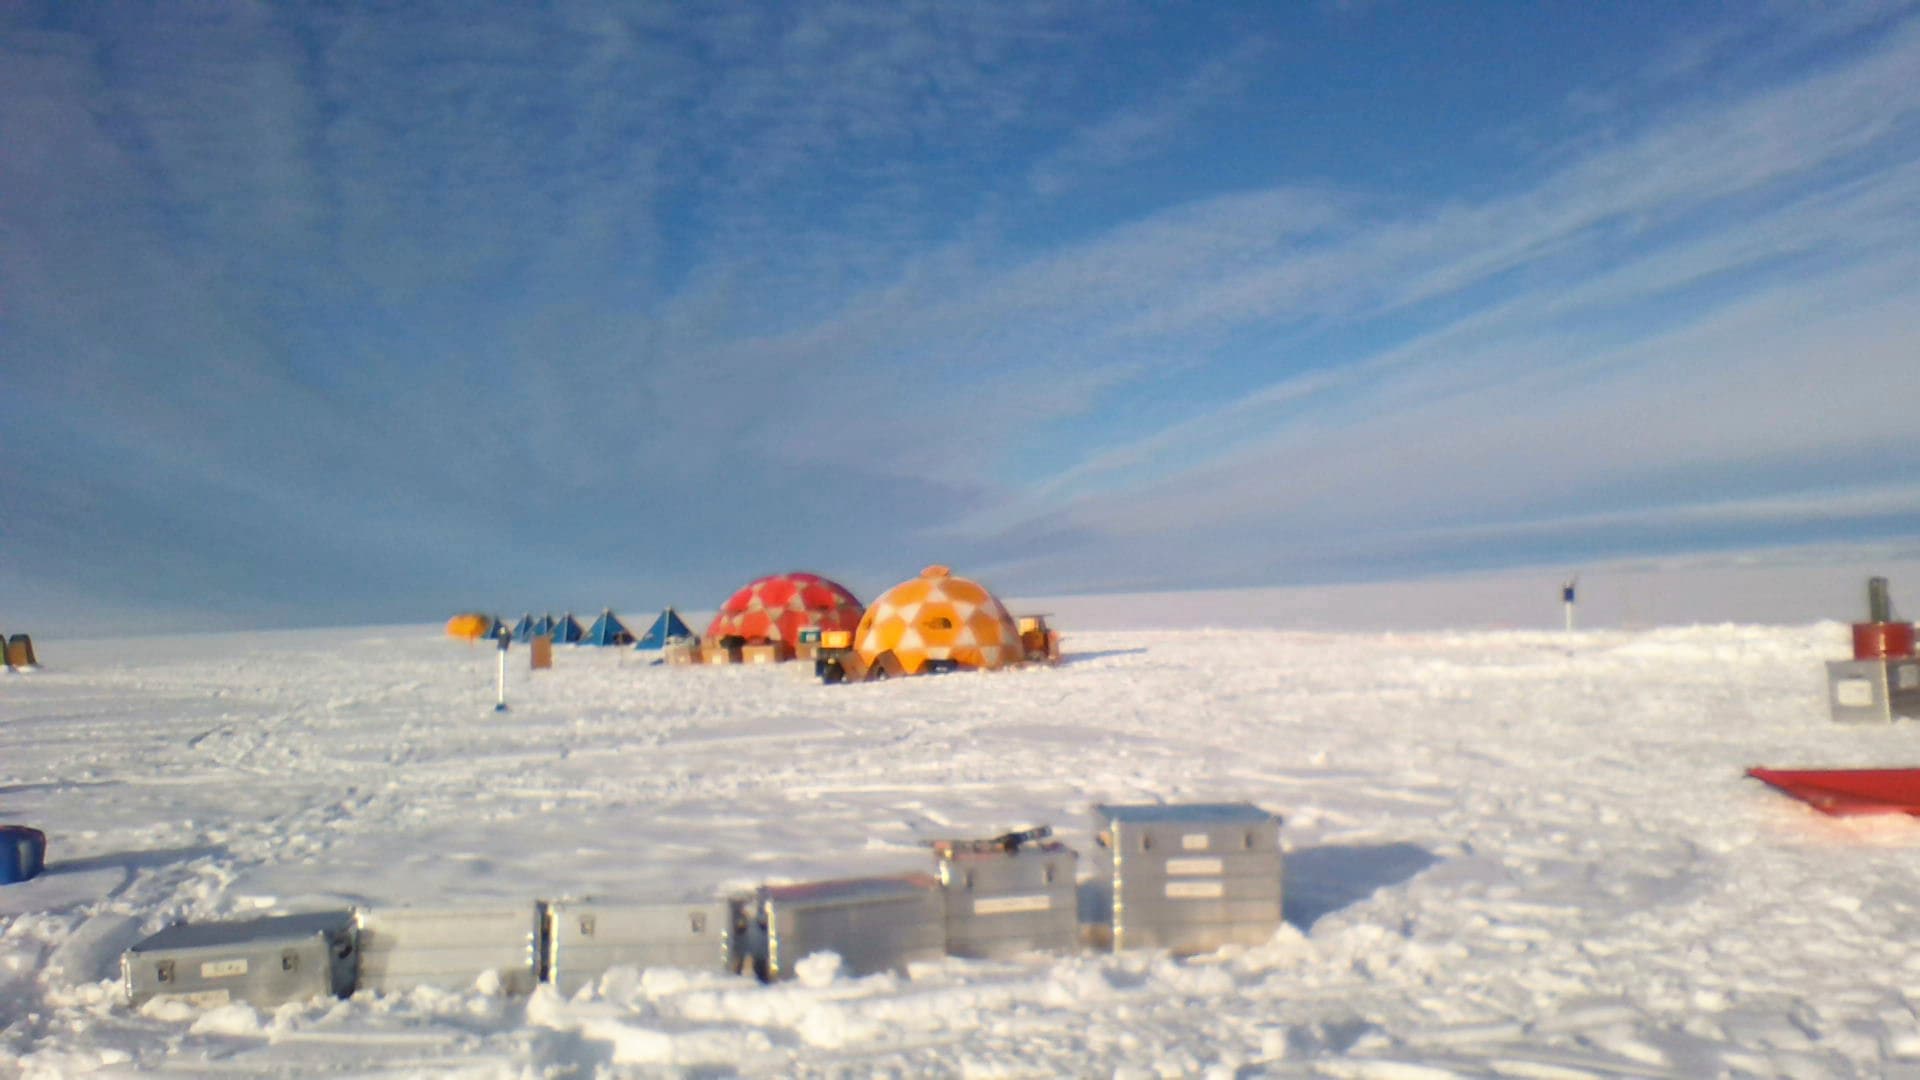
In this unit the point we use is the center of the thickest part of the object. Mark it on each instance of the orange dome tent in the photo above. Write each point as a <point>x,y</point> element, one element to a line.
<point>777,607</point>
<point>470,625</point>
<point>937,620</point>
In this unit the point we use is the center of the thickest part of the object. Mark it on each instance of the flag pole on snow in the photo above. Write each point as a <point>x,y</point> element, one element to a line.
<point>505,640</point>
<point>1566,597</point>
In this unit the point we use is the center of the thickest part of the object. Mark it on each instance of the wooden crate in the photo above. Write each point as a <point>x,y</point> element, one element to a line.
<point>764,653</point>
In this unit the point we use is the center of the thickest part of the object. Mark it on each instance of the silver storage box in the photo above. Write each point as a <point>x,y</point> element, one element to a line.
<point>1873,690</point>
<point>1005,899</point>
<point>874,924</point>
<point>1189,878</point>
<point>586,938</point>
<point>449,947</point>
<point>265,962</point>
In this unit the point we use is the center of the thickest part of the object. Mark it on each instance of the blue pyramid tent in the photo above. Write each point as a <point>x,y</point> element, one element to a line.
<point>607,630</point>
<point>523,630</point>
<point>543,626</point>
<point>498,628</point>
<point>566,631</point>
<point>664,629</point>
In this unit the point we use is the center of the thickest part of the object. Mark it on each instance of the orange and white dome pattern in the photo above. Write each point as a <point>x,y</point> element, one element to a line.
<point>937,616</point>
<point>777,607</point>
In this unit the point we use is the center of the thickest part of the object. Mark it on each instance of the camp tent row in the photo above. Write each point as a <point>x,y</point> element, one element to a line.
<point>936,621</point>
<point>606,630</point>
<point>562,631</point>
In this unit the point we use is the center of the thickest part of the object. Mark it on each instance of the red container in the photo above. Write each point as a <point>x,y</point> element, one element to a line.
<point>1845,792</point>
<point>1882,640</point>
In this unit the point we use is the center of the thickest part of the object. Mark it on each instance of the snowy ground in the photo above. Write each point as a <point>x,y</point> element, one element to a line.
<point>1509,853</point>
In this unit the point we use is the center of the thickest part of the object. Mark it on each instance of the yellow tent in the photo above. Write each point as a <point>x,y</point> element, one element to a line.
<point>938,617</point>
<point>470,625</point>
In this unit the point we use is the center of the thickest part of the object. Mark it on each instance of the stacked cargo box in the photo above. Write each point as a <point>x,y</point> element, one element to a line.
<point>1882,681</point>
<point>1189,878</point>
<point>449,947</point>
<point>720,652</point>
<point>264,961</point>
<point>586,938</point>
<point>808,644</point>
<point>1879,690</point>
<point>1008,895</point>
<point>874,924</point>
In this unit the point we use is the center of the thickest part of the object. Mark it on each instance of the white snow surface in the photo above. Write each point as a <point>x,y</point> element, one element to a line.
<point>1512,854</point>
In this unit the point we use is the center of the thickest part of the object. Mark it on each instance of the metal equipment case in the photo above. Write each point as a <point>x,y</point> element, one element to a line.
<point>1189,878</point>
<point>585,938</point>
<point>266,961</point>
<point>1874,690</point>
<point>874,924</point>
<point>401,948</point>
<point>1008,895</point>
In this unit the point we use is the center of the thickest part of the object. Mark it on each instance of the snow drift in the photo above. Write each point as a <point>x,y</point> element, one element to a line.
<point>1508,853</point>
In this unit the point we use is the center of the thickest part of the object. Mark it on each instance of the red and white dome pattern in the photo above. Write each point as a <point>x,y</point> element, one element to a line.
<point>777,607</point>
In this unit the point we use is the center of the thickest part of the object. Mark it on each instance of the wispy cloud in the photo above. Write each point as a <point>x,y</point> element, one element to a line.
<point>1148,127</point>
<point>508,289</point>
<point>1685,294</point>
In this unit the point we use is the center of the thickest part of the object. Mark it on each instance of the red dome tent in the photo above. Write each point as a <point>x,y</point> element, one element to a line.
<point>777,607</point>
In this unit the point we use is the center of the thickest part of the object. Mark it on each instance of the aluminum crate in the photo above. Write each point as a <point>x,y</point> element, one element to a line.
<point>1873,691</point>
<point>874,924</point>
<point>1006,899</point>
<point>587,938</point>
<point>449,947</point>
<point>1189,878</point>
<point>265,961</point>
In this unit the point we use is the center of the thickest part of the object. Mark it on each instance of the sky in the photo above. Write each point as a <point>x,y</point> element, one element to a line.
<point>345,314</point>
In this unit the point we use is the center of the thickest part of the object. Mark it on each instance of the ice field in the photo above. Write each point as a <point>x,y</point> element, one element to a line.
<point>1514,854</point>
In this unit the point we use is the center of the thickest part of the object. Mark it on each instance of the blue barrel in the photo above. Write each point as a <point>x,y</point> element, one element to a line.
<point>23,853</point>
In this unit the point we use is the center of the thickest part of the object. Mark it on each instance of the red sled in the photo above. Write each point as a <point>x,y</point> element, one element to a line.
<point>1844,792</point>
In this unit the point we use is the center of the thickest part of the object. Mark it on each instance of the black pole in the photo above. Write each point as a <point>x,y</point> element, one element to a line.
<point>1879,606</point>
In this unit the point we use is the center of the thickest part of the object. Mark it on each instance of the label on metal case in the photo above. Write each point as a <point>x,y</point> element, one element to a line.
<point>200,999</point>
<point>1196,890</point>
<point>1007,905</point>
<point>1194,867</point>
<point>1195,841</point>
<point>223,969</point>
<point>1854,693</point>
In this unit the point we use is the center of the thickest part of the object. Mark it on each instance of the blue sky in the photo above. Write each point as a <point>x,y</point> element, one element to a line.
<point>318,314</point>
